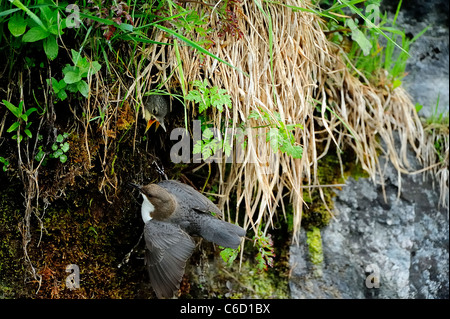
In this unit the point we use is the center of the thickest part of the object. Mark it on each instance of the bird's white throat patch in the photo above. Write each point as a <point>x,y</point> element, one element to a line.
<point>146,209</point>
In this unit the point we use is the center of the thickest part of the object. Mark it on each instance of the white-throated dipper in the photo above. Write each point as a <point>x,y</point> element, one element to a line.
<point>155,106</point>
<point>172,213</point>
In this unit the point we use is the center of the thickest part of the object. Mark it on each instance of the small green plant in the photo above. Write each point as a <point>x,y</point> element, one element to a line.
<point>441,118</point>
<point>209,144</point>
<point>206,98</point>
<point>229,255</point>
<point>5,163</point>
<point>59,148</point>
<point>46,27</point>
<point>74,75</point>
<point>264,257</point>
<point>367,53</point>
<point>192,22</point>
<point>280,134</point>
<point>22,118</point>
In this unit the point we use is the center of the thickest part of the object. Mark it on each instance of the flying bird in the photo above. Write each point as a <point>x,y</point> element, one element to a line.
<point>173,212</point>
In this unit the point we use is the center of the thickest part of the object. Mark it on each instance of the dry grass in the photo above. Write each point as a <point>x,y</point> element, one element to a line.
<point>436,161</point>
<point>308,78</point>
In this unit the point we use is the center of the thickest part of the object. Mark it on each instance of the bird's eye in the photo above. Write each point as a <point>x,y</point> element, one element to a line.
<point>155,112</point>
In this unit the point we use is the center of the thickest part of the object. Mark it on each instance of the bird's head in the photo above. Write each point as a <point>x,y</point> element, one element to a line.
<point>158,202</point>
<point>155,110</point>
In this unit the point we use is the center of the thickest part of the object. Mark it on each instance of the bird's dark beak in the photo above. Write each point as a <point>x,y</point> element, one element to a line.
<point>135,186</point>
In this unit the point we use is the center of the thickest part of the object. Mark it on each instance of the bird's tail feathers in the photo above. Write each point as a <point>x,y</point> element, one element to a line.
<point>223,233</point>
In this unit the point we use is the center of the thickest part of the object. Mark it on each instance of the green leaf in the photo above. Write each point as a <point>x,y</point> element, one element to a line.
<point>273,137</point>
<point>396,84</point>
<point>14,110</point>
<point>206,151</point>
<point>418,107</point>
<point>56,29</point>
<point>51,47</point>
<point>229,255</point>
<point>69,68</point>
<point>294,151</point>
<point>33,16</point>
<point>57,153</point>
<point>227,147</point>
<point>83,87</point>
<point>13,127</point>
<point>63,158</point>
<point>197,148</point>
<point>207,134</point>
<point>65,147</point>
<point>126,27</point>
<point>290,127</point>
<point>62,95</point>
<point>95,67</point>
<point>28,132</point>
<point>254,115</point>
<point>84,66</point>
<point>39,154</point>
<point>72,87</point>
<point>58,86</point>
<point>75,56</point>
<point>54,146</point>
<point>59,138</point>
<point>17,25</point>
<point>19,137</point>
<point>194,96</point>
<point>72,77</point>
<point>30,111</point>
<point>48,14</point>
<point>35,34</point>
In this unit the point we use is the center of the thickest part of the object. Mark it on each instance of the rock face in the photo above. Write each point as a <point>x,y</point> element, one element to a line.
<point>428,67</point>
<point>404,243</point>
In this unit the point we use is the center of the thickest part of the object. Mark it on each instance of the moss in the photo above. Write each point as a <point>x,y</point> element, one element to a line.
<point>90,233</point>
<point>215,279</point>
<point>316,213</point>
<point>12,271</point>
<point>314,241</point>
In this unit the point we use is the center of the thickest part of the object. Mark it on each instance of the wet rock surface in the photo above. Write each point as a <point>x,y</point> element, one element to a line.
<point>403,242</point>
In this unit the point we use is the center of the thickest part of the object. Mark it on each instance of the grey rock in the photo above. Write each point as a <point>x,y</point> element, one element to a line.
<point>403,241</point>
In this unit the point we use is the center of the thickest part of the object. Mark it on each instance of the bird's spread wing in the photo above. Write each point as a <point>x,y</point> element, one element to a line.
<point>196,200</point>
<point>168,249</point>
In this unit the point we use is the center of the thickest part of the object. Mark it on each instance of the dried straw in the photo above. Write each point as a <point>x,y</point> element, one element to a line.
<point>304,78</point>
